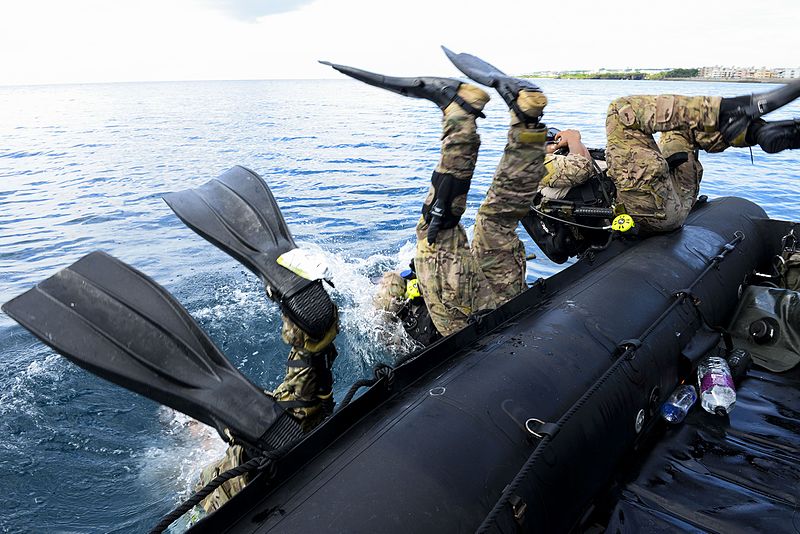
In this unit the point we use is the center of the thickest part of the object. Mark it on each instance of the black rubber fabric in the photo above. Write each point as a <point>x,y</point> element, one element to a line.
<point>722,474</point>
<point>507,86</point>
<point>775,137</point>
<point>440,91</point>
<point>736,114</point>
<point>238,213</point>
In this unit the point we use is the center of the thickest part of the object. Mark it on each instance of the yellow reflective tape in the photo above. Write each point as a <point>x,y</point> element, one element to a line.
<point>296,269</point>
<point>549,171</point>
<point>532,136</point>
<point>622,223</point>
<point>412,289</point>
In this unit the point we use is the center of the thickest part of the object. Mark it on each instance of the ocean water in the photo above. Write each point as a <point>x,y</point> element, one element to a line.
<point>83,168</point>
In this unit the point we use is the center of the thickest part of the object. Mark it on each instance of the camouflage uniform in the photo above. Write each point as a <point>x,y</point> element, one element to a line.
<point>306,393</point>
<point>659,197</point>
<point>458,280</point>
<point>391,293</point>
<point>233,457</point>
<point>563,172</point>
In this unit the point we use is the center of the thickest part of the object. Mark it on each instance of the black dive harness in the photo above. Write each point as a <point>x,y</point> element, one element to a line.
<point>322,364</point>
<point>414,314</point>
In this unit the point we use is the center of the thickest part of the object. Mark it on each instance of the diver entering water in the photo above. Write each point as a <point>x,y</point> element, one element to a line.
<point>238,213</point>
<point>658,182</point>
<point>400,297</point>
<point>458,280</point>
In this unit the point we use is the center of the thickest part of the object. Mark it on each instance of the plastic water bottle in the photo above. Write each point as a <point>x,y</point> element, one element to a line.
<point>717,393</point>
<point>678,404</point>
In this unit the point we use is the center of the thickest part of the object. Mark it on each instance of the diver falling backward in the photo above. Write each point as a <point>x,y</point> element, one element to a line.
<point>456,279</point>
<point>659,183</point>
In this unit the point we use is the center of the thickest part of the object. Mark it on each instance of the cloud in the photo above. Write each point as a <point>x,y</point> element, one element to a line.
<point>250,10</point>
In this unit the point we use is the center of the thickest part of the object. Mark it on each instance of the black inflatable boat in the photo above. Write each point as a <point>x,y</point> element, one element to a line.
<point>539,416</point>
<point>527,419</point>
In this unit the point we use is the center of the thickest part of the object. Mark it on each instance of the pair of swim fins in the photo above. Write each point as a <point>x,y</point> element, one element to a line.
<point>119,324</point>
<point>443,91</point>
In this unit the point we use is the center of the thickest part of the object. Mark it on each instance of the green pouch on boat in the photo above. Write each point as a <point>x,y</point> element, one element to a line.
<point>767,324</point>
<point>791,275</point>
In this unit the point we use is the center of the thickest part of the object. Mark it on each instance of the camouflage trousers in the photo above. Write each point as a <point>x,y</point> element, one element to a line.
<point>306,393</point>
<point>457,279</point>
<point>658,197</point>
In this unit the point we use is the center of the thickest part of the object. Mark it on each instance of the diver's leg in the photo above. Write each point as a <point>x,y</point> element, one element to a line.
<point>680,149</point>
<point>639,171</point>
<point>390,294</point>
<point>449,277</point>
<point>636,165</point>
<point>496,246</point>
<point>306,390</point>
<point>234,456</point>
<point>306,393</point>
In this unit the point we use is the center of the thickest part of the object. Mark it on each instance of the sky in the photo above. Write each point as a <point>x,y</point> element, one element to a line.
<point>83,41</point>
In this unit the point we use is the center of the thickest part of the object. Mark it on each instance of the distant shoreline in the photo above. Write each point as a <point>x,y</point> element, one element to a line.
<point>728,80</point>
<point>725,80</point>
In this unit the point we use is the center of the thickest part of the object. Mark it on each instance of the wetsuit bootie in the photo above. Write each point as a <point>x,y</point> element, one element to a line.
<point>440,91</point>
<point>776,136</point>
<point>736,114</point>
<point>518,94</point>
<point>474,97</point>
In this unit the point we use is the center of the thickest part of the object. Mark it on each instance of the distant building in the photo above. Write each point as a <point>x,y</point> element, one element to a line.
<point>717,72</point>
<point>747,73</point>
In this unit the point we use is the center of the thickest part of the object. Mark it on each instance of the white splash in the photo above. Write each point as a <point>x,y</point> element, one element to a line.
<point>190,447</point>
<point>364,326</point>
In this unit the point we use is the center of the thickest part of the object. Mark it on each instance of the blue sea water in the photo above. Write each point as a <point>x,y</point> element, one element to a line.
<point>83,167</point>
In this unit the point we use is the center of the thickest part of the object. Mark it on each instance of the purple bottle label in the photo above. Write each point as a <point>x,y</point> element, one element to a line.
<point>714,379</point>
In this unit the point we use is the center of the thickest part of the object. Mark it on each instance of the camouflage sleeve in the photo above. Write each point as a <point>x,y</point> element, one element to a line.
<point>566,171</point>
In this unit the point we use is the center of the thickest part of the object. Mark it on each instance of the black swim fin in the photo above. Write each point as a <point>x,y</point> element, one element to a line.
<point>440,91</point>
<point>237,213</point>
<point>484,73</point>
<point>774,137</point>
<point>114,321</point>
<point>736,114</point>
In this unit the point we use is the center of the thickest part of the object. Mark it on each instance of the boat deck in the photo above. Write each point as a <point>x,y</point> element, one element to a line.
<point>711,474</point>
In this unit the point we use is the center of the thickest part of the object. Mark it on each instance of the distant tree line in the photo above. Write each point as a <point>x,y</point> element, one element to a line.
<point>628,75</point>
<point>674,73</point>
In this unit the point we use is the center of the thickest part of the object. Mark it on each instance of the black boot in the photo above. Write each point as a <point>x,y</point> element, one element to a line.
<point>440,91</point>
<point>736,114</point>
<point>776,136</point>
